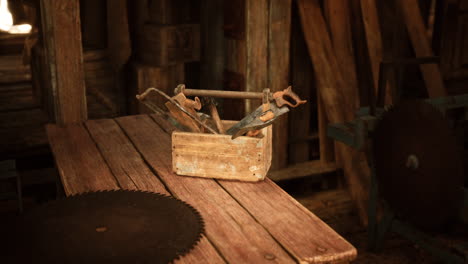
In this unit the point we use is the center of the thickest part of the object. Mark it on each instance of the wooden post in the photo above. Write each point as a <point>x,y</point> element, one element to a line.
<point>256,33</point>
<point>257,55</point>
<point>279,34</point>
<point>62,41</point>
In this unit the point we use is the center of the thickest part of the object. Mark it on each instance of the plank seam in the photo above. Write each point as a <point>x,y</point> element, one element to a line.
<point>163,182</point>
<point>256,220</point>
<point>85,126</point>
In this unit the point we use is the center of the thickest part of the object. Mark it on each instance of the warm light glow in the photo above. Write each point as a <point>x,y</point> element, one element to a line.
<point>6,21</point>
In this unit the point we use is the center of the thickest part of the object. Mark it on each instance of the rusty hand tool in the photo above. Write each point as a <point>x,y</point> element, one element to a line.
<point>151,105</point>
<point>191,106</point>
<point>262,116</point>
<point>267,113</point>
<point>175,103</point>
<point>209,102</point>
<point>253,121</point>
<point>282,98</point>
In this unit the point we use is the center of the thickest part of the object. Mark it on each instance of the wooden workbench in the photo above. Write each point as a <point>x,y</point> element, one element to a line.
<point>245,222</point>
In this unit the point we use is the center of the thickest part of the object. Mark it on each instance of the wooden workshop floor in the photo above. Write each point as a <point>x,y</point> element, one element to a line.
<point>332,205</point>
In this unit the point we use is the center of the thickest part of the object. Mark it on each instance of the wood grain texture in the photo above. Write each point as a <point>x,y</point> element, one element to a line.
<point>236,235</point>
<point>219,156</point>
<point>132,172</point>
<point>79,162</point>
<point>338,17</point>
<point>304,169</point>
<point>326,144</point>
<point>422,46</point>
<point>256,75</point>
<point>118,34</point>
<point>169,44</point>
<point>13,70</point>
<point>123,159</point>
<point>162,78</point>
<point>303,234</point>
<point>62,38</point>
<point>331,81</point>
<point>303,82</point>
<point>279,35</point>
<point>373,36</point>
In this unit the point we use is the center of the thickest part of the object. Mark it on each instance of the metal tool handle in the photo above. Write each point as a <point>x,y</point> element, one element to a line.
<point>218,93</point>
<point>142,96</point>
<point>281,95</point>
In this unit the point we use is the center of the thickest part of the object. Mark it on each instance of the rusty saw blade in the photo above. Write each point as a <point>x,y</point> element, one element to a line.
<point>106,227</point>
<point>253,120</point>
<point>418,164</point>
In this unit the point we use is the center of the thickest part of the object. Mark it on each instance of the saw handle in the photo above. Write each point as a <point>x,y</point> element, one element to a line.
<point>282,96</point>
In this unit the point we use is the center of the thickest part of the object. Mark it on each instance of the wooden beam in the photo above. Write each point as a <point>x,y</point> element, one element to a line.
<point>330,86</point>
<point>422,46</point>
<point>326,145</point>
<point>303,169</point>
<point>374,37</point>
<point>338,16</point>
<point>279,35</point>
<point>62,41</point>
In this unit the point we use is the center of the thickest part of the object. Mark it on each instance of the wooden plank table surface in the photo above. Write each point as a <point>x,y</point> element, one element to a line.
<point>244,222</point>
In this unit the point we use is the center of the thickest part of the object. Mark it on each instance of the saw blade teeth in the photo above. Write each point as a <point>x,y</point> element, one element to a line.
<point>189,211</point>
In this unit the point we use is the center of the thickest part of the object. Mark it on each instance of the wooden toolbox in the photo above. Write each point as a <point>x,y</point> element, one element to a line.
<point>219,156</point>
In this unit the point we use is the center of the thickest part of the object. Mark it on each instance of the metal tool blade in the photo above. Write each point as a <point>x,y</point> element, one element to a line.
<point>252,121</point>
<point>106,227</point>
<point>418,164</point>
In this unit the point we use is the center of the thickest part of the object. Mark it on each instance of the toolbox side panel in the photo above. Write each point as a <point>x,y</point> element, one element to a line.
<point>218,156</point>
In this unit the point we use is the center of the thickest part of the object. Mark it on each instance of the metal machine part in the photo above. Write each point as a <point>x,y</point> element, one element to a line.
<point>106,227</point>
<point>418,164</point>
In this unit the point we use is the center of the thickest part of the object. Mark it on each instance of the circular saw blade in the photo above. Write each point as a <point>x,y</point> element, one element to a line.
<point>108,227</point>
<point>418,164</point>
